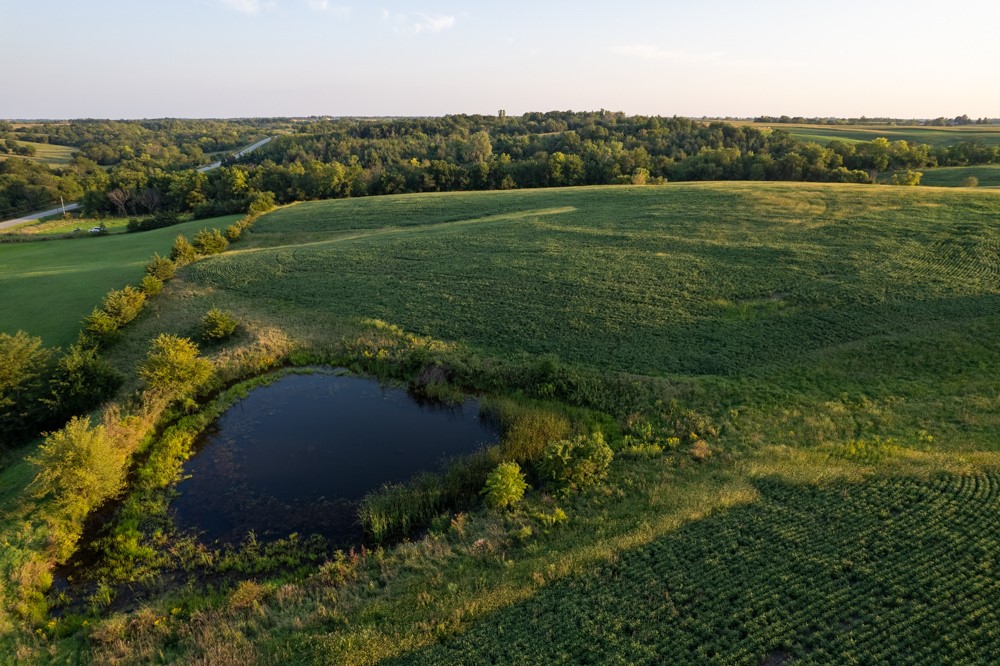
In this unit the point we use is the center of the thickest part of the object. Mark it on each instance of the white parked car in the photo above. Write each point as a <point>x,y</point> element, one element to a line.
<point>95,230</point>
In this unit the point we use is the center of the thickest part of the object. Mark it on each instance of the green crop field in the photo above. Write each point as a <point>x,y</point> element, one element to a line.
<point>50,154</point>
<point>838,346</point>
<point>935,136</point>
<point>895,571</point>
<point>989,176</point>
<point>47,287</point>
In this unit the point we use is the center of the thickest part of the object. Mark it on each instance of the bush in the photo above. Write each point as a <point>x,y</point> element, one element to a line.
<point>99,326</point>
<point>970,181</point>
<point>151,285</point>
<point>124,305</point>
<point>210,242</point>
<point>260,203</point>
<point>217,325</point>
<point>78,468</point>
<point>576,463</point>
<point>161,268</point>
<point>159,221</point>
<point>182,252</point>
<point>233,232</point>
<point>505,486</point>
<point>173,365</point>
<point>24,366</point>
<point>82,380</point>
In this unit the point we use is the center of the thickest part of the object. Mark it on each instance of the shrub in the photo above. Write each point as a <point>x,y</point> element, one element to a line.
<point>217,325</point>
<point>161,268</point>
<point>124,305</point>
<point>78,468</point>
<point>576,463</point>
<point>210,242</point>
<point>81,381</point>
<point>505,486</point>
<point>970,181</point>
<point>173,365</point>
<point>159,221</point>
<point>99,325</point>
<point>261,202</point>
<point>233,232</point>
<point>23,368</point>
<point>183,252</point>
<point>151,285</point>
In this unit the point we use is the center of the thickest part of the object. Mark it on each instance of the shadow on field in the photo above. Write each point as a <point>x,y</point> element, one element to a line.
<point>893,570</point>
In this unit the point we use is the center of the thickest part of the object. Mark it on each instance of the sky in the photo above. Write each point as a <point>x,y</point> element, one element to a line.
<point>243,58</point>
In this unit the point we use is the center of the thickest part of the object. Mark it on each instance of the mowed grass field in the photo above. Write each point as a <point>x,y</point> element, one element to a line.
<point>988,175</point>
<point>47,287</point>
<point>935,136</point>
<point>46,153</point>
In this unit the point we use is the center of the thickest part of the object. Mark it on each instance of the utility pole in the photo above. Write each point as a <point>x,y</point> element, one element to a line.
<point>63,204</point>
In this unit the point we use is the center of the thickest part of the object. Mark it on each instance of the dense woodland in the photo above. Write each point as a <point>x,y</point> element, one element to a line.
<point>133,168</point>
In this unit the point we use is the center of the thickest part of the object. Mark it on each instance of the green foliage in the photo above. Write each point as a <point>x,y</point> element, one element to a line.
<point>24,366</point>
<point>79,467</point>
<point>183,252</point>
<point>160,220</point>
<point>210,242</point>
<point>161,268</point>
<point>217,325</point>
<point>151,285</point>
<point>576,463</point>
<point>261,203</point>
<point>124,305</point>
<point>173,365</point>
<point>867,451</point>
<point>396,509</point>
<point>970,181</point>
<point>906,177</point>
<point>99,326</point>
<point>81,381</point>
<point>505,486</point>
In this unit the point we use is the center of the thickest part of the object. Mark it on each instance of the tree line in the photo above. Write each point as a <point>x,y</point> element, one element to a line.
<point>322,158</point>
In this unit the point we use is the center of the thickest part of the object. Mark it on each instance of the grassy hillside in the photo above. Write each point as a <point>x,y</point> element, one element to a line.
<point>935,136</point>
<point>989,176</point>
<point>767,293</point>
<point>838,346</point>
<point>46,153</point>
<point>48,287</point>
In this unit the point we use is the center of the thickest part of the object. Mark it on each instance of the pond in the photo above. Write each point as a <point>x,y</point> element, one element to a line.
<point>297,456</point>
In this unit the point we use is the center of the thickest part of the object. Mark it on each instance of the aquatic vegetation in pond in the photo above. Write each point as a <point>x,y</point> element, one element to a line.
<point>297,455</point>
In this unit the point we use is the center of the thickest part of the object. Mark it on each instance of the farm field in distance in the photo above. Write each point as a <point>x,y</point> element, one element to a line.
<point>46,153</point>
<point>934,136</point>
<point>47,287</point>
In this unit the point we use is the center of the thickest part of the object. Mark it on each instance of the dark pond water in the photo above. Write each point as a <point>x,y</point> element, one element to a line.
<point>297,455</point>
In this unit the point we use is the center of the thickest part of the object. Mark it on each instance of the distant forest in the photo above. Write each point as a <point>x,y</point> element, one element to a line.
<point>132,168</point>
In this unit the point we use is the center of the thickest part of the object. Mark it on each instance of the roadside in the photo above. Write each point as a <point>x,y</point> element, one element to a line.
<point>73,206</point>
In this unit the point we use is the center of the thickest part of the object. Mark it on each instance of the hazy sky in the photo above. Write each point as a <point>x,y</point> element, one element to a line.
<point>228,58</point>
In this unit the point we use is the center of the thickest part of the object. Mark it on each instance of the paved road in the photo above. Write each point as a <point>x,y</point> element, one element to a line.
<point>37,216</point>
<point>255,146</point>
<point>73,206</point>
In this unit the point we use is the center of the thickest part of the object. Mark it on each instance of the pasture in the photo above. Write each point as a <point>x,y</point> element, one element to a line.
<point>47,287</point>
